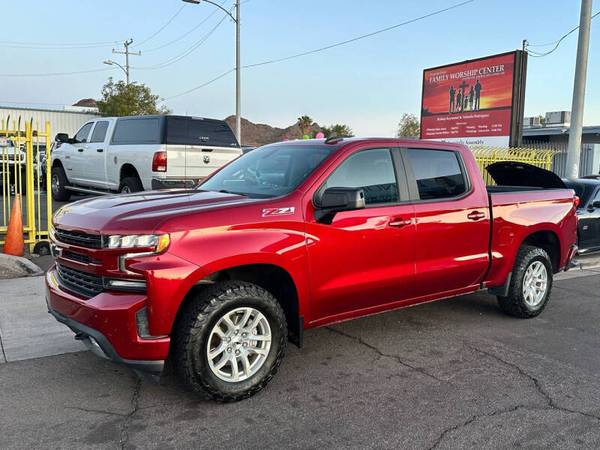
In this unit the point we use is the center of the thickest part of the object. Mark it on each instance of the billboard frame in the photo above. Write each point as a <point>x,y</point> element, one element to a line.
<point>517,107</point>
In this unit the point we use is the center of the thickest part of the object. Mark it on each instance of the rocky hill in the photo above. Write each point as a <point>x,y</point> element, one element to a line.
<point>256,134</point>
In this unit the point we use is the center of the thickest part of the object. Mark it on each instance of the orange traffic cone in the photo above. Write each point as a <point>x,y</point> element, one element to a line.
<point>14,244</point>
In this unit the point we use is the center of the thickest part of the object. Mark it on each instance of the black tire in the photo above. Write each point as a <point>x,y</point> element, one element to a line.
<point>192,331</point>
<point>130,185</point>
<point>59,183</point>
<point>514,304</point>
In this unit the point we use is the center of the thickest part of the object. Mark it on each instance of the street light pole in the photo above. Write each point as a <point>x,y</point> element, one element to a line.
<point>238,64</point>
<point>576,128</point>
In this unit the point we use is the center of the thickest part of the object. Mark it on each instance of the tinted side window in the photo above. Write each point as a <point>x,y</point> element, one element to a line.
<point>99,131</point>
<point>137,131</point>
<point>84,132</point>
<point>372,170</point>
<point>194,131</point>
<point>438,173</point>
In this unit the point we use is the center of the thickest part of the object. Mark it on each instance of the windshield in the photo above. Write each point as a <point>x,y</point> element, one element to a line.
<point>269,171</point>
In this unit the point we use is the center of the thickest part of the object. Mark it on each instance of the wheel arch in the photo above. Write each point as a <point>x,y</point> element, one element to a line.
<point>271,277</point>
<point>547,240</point>
<point>128,170</point>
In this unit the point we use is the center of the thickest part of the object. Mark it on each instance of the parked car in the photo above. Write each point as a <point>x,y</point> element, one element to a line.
<point>13,164</point>
<point>297,235</point>
<point>588,190</point>
<point>131,154</point>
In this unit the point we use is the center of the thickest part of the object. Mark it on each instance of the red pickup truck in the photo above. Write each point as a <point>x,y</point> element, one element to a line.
<point>297,235</point>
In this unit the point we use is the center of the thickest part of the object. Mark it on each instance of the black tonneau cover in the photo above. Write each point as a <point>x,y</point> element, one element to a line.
<point>511,173</point>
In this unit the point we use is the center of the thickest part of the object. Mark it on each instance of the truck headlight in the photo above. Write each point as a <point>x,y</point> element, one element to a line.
<point>157,242</point>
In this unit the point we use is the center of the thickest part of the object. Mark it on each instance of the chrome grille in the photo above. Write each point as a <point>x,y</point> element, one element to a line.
<point>78,238</point>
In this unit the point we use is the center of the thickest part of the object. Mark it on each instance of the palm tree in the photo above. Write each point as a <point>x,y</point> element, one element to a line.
<point>305,124</point>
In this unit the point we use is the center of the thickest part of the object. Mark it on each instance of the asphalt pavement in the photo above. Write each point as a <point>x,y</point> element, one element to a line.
<point>450,374</point>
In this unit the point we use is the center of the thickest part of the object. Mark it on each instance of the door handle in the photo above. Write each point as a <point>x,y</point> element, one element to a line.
<point>80,150</point>
<point>99,150</point>
<point>399,222</point>
<point>475,215</point>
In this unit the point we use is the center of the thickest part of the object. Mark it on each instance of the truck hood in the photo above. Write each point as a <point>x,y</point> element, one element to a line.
<point>141,212</point>
<point>511,173</point>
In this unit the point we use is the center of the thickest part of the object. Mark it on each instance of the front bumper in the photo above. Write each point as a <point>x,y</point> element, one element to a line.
<point>106,324</point>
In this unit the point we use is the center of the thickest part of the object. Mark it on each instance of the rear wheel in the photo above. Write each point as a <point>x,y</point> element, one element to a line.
<point>130,185</point>
<point>58,184</point>
<point>230,340</point>
<point>530,285</point>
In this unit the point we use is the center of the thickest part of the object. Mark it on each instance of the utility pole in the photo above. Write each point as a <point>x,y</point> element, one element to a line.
<point>238,64</point>
<point>575,131</point>
<point>127,52</point>
<point>238,76</point>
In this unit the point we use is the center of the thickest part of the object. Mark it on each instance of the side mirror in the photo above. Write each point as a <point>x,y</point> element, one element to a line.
<point>338,199</point>
<point>596,204</point>
<point>62,138</point>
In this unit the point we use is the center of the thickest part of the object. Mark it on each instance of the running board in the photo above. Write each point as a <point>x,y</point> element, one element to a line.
<point>86,191</point>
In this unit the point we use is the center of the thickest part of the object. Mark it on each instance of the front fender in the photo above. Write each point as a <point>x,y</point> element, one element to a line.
<point>202,253</point>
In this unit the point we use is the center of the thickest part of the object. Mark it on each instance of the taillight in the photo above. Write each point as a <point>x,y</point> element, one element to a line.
<point>159,162</point>
<point>576,201</point>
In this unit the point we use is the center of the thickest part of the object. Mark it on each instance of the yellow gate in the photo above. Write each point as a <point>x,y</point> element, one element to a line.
<point>25,169</point>
<point>489,155</point>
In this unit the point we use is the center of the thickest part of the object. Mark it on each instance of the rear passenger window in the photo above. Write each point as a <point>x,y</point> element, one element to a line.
<point>137,131</point>
<point>438,173</point>
<point>372,170</point>
<point>99,131</point>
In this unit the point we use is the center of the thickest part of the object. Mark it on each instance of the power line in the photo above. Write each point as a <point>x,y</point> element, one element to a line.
<point>327,47</point>
<point>163,27</point>
<point>55,46</point>
<point>202,85</point>
<point>187,33</point>
<point>555,43</point>
<point>187,52</point>
<point>358,38</point>
<point>55,74</point>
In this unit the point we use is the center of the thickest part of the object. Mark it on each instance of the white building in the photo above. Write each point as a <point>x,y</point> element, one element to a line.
<point>67,119</point>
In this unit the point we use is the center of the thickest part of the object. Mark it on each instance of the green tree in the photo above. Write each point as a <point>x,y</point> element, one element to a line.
<point>409,126</point>
<point>338,130</point>
<point>305,123</point>
<point>121,99</point>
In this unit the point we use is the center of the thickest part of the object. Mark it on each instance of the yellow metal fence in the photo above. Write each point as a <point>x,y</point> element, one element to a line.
<point>489,155</point>
<point>24,147</point>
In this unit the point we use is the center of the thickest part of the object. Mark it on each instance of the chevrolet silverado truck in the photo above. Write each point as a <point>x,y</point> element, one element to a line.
<point>292,236</point>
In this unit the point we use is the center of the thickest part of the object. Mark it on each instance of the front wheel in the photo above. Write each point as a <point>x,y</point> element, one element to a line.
<point>230,340</point>
<point>530,285</point>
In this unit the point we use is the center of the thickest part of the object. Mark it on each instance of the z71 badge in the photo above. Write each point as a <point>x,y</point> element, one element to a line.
<point>286,211</point>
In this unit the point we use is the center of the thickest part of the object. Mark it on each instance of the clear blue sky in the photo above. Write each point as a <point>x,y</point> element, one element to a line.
<point>366,84</point>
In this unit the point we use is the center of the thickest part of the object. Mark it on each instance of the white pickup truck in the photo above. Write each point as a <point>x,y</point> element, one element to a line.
<point>131,154</point>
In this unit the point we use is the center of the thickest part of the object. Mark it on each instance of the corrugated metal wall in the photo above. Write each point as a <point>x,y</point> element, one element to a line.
<point>60,121</point>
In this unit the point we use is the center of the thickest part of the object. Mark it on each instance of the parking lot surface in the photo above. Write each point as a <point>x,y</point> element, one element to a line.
<point>451,374</point>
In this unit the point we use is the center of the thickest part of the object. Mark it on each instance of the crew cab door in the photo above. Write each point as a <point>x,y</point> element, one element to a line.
<point>363,259</point>
<point>76,153</point>
<point>452,221</point>
<point>95,156</point>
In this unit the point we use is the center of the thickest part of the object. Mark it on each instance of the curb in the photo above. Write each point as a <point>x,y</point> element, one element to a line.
<point>17,267</point>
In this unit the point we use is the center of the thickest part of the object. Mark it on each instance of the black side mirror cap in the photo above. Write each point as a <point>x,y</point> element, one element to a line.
<point>338,199</point>
<point>62,138</point>
<point>596,204</point>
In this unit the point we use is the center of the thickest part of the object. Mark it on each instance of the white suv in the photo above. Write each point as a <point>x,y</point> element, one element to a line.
<point>131,154</point>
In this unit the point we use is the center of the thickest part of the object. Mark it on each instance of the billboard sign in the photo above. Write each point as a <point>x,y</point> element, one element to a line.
<point>476,102</point>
